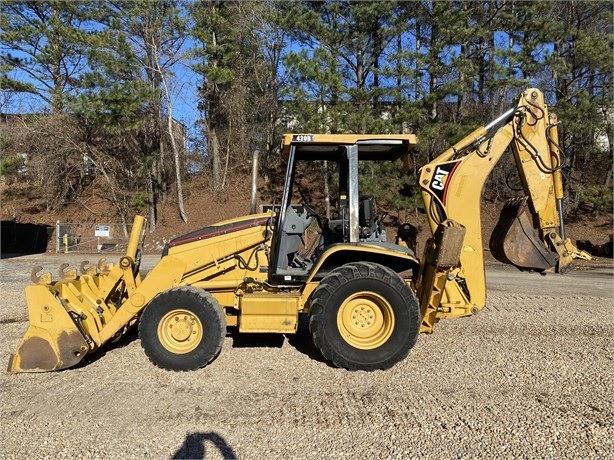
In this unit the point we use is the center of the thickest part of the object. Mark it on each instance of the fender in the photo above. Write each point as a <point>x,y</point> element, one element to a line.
<point>401,259</point>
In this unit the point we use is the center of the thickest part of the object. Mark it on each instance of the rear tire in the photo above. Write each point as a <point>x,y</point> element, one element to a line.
<point>364,316</point>
<point>182,329</point>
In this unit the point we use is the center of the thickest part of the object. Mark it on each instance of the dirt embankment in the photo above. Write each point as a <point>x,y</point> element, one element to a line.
<point>205,207</point>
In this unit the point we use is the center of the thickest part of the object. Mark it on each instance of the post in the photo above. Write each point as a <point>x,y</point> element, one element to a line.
<point>252,208</point>
<point>57,236</point>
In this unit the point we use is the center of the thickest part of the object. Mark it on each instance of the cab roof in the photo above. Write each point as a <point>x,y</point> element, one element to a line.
<point>370,146</point>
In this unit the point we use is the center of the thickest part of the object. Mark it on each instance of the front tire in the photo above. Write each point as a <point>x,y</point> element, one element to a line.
<point>364,316</point>
<point>182,329</point>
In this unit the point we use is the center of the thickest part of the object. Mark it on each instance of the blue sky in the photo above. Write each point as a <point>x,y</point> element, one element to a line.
<point>183,87</point>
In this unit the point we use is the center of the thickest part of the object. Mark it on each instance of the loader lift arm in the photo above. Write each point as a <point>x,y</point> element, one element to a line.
<point>451,186</point>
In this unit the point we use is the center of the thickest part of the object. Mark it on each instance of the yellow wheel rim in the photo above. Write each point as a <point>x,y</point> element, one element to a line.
<point>180,331</point>
<point>365,320</point>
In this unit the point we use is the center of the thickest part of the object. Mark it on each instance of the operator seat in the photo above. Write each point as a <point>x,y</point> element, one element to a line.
<point>295,225</point>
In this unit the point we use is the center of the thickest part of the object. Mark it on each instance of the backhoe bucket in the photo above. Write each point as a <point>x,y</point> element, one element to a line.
<point>514,241</point>
<point>52,341</point>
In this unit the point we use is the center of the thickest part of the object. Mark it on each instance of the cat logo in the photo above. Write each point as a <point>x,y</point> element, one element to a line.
<point>442,175</point>
<point>439,179</point>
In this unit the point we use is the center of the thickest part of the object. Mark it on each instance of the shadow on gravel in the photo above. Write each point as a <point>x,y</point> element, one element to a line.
<point>255,340</point>
<point>124,340</point>
<point>194,446</point>
<point>302,342</point>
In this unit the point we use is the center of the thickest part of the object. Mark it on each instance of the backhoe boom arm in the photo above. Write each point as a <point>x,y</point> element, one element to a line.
<point>452,185</point>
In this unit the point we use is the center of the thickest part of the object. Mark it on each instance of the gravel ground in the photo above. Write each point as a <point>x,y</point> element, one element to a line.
<point>531,376</point>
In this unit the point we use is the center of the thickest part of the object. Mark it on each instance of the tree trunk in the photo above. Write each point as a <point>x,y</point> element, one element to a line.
<point>252,207</point>
<point>214,108</point>
<point>214,152</point>
<point>178,184</point>
<point>171,135</point>
<point>152,207</point>
<point>99,165</point>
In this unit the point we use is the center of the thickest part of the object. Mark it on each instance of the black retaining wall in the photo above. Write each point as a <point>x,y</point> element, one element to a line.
<point>18,238</point>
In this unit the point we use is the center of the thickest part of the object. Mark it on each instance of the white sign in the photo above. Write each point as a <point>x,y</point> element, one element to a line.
<point>102,230</point>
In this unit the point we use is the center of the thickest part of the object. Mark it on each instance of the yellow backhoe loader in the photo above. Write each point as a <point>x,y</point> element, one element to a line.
<point>366,297</point>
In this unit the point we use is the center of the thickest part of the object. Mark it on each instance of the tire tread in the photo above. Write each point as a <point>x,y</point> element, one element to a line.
<point>320,302</point>
<point>148,328</point>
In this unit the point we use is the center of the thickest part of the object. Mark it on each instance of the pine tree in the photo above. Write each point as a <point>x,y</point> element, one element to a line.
<point>239,82</point>
<point>131,56</point>
<point>338,68</point>
<point>42,48</point>
<point>582,60</point>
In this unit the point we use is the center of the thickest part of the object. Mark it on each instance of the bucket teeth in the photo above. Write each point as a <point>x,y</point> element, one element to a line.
<point>44,278</point>
<point>85,270</point>
<point>65,274</point>
<point>103,267</point>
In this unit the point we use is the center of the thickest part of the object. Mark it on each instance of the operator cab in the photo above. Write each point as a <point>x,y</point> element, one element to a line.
<point>321,205</point>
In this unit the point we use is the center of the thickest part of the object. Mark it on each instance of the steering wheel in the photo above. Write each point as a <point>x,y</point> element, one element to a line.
<point>319,217</point>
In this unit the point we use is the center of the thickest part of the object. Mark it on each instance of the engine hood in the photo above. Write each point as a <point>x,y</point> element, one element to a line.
<point>220,228</point>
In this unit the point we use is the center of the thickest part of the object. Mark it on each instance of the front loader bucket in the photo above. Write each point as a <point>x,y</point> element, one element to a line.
<point>514,241</point>
<point>52,341</point>
<point>76,315</point>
